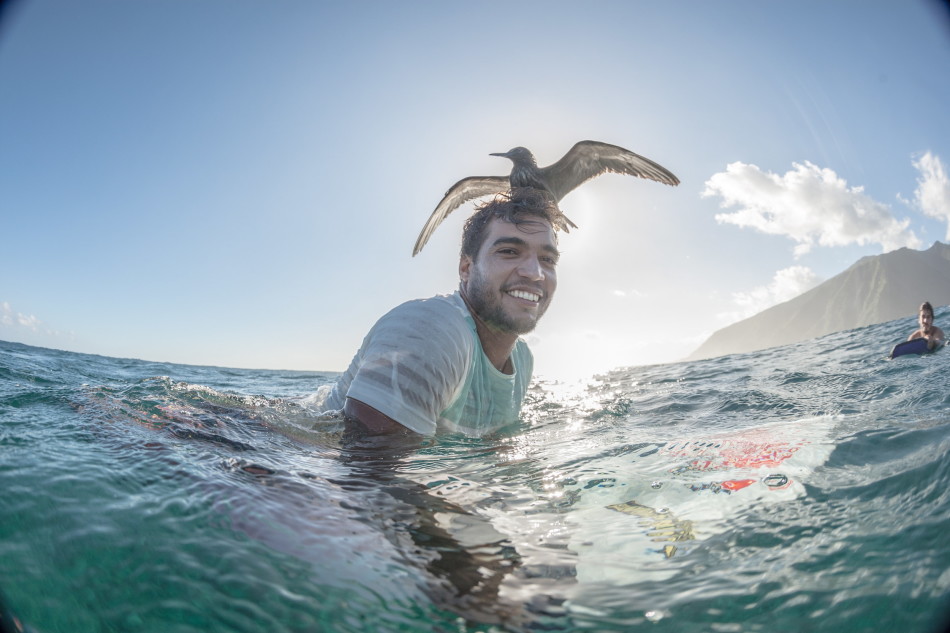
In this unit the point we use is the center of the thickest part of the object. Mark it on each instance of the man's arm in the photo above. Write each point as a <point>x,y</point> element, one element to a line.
<point>375,423</point>
<point>936,338</point>
<point>466,567</point>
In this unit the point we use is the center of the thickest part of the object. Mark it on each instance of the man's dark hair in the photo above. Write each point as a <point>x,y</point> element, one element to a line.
<point>926,306</point>
<point>518,206</point>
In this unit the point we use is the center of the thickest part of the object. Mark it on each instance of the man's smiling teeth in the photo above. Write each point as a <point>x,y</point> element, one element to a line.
<point>521,294</point>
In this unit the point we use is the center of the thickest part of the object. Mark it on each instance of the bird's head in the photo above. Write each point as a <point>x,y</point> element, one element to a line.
<point>519,156</point>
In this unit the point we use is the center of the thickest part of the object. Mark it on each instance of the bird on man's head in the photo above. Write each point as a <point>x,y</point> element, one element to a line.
<point>584,161</point>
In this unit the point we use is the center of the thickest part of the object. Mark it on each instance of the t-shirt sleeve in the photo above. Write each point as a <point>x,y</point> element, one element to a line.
<point>413,363</point>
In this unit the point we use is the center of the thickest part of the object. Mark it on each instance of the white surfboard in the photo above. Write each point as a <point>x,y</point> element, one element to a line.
<point>663,501</point>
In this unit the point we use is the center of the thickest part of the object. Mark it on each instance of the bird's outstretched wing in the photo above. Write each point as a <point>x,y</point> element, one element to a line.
<point>588,159</point>
<point>458,194</point>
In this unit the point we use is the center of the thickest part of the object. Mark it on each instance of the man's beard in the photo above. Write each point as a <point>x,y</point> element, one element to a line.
<point>487,305</point>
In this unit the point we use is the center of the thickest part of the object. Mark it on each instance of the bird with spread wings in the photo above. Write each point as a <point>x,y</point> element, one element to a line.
<point>586,160</point>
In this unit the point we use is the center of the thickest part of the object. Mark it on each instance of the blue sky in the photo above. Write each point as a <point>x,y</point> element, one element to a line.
<point>240,183</point>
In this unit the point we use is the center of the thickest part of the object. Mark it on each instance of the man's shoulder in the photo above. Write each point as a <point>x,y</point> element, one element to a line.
<point>448,306</point>
<point>523,358</point>
<point>438,320</point>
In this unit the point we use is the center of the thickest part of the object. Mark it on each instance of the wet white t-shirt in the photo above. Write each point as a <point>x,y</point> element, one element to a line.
<point>422,365</point>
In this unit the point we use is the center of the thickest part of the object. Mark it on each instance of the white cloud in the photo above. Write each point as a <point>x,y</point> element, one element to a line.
<point>7,315</point>
<point>808,205</point>
<point>933,188</point>
<point>12,319</point>
<point>28,321</point>
<point>786,284</point>
<point>623,294</point>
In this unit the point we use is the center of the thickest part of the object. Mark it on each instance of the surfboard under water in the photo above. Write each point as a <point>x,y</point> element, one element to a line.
<point>685,491</point>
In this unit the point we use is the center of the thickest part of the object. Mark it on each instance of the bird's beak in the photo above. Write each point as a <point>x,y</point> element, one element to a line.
<point>502,154</point>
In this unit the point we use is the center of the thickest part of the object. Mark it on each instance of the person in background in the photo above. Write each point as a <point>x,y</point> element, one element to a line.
<point>927,330</point>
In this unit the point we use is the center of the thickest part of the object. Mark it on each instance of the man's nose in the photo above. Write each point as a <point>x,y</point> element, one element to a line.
<point>530,268</point>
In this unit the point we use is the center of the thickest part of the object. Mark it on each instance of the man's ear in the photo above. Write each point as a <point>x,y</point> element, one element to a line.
<point>465,267</point>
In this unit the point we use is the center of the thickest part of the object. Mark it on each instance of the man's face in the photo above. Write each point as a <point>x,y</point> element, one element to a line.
<point>513,277</point>
<point>926,320</point>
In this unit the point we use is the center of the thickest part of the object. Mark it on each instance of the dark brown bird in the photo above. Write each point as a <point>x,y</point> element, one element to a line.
<point>584,161</point>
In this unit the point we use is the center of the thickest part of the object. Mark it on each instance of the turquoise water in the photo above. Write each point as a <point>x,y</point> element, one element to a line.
<point>138,496</point>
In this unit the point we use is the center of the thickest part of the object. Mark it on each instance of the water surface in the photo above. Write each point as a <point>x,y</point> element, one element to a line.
<point>142,496</point>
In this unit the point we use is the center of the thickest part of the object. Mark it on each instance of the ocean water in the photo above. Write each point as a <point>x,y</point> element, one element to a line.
<point>804,488</point>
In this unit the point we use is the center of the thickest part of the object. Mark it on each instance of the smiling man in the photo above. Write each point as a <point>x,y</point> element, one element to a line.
<point>456,361</point>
